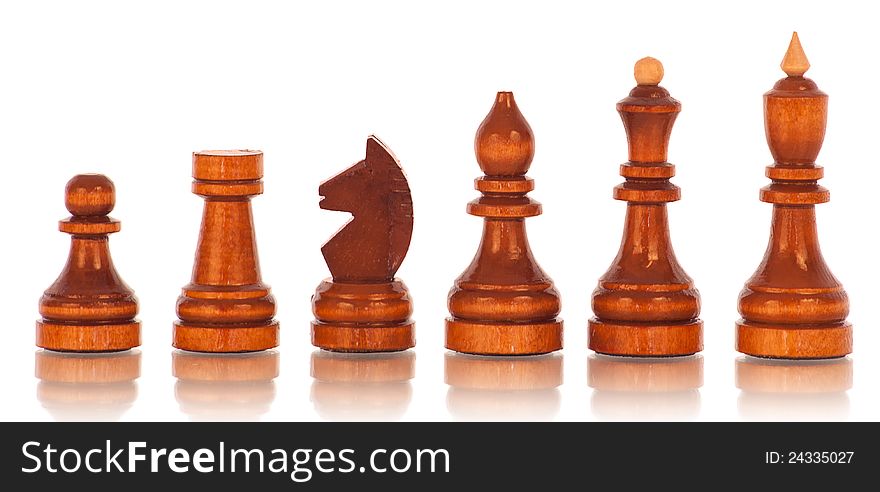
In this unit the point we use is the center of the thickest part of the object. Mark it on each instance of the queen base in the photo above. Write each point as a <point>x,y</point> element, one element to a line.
<point>67,337</point>
<point>487,338</point>
<point>646,339</point>
<point>787,342</point>
<point>196,337</point>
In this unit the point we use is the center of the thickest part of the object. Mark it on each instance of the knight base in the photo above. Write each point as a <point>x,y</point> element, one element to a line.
<point>362,317</point>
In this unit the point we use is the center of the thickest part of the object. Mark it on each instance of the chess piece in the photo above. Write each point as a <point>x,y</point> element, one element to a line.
<point>224,387</point>
<point>226,307</point>
<point>87,386</point>
<point>364,308</point>
<point>504,303</point>
<point>793,307</point>
<point>89,308</point>
<point>645,304</point>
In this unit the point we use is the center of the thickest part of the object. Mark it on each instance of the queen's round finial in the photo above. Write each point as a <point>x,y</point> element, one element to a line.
<point>90,195</point>
<point>648,71</point>
<point>504,143</point>
<point>795,63</point>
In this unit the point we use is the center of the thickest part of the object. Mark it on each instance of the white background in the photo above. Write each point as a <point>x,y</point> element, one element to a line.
<point>130,90</point>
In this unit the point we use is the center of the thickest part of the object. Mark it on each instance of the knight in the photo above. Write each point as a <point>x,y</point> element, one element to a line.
<point>364,307</point>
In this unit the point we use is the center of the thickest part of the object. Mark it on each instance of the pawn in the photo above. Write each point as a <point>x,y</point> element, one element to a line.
<point>364,307</point>
<point>89,308</point>
<point>645,304</point>
<point>504,303</point>
<point>226,307</point>
<point>793,307</point>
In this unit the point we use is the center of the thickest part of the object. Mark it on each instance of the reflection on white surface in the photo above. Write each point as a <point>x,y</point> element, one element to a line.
<point>224,387</point>
<point>799,390</point>
<point>503,388</point>
<point>87,387</point>
<point>628,388</point>
<point>362,387</point>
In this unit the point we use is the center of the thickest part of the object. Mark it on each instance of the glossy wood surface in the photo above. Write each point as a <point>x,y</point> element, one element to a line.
<point>364,308</point>
<point>89,308</point>
<point>646,305</point>
<point>793,307</point>
<point>504,303</point>
<point>226,307</point>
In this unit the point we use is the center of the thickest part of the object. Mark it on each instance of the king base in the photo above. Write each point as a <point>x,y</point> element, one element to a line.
<point>787,342</point>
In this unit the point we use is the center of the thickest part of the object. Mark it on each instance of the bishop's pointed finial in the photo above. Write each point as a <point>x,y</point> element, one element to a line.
<point>504,143</point>
<point>648,71</point>
<point>795,63</point>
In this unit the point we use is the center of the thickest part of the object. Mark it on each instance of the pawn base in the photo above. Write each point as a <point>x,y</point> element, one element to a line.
<point>498,338</point>
<point>196,337</point>
<point>646,339</point>
<point>794,342</point>
<point>69,337</point>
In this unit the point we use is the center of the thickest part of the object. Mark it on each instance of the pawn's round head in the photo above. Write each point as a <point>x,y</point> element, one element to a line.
<point>504,144</point>
<point>90,195</point>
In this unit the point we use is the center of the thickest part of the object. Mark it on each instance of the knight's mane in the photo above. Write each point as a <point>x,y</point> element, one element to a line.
<point>400,206</point>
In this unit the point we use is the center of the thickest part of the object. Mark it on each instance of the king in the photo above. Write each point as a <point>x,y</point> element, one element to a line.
<point>793,307</point>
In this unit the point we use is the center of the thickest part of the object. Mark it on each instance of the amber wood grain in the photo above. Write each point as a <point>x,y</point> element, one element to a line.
<point>646,305</point>
<point>89,308</point>
<point>364,308</point>
<point>504,303</point>
<point>226,307</point>
<point>793,307</point>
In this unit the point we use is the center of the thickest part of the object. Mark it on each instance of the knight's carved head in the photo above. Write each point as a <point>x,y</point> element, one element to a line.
<point>373,244</point>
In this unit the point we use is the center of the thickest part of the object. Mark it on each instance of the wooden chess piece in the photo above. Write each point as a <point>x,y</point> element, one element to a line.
<point>793,307</point>
<point>645,304</point>
<point>504,303</point>
<point>226,307</point>
<point>364,308</point>
<point>89,308</point>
